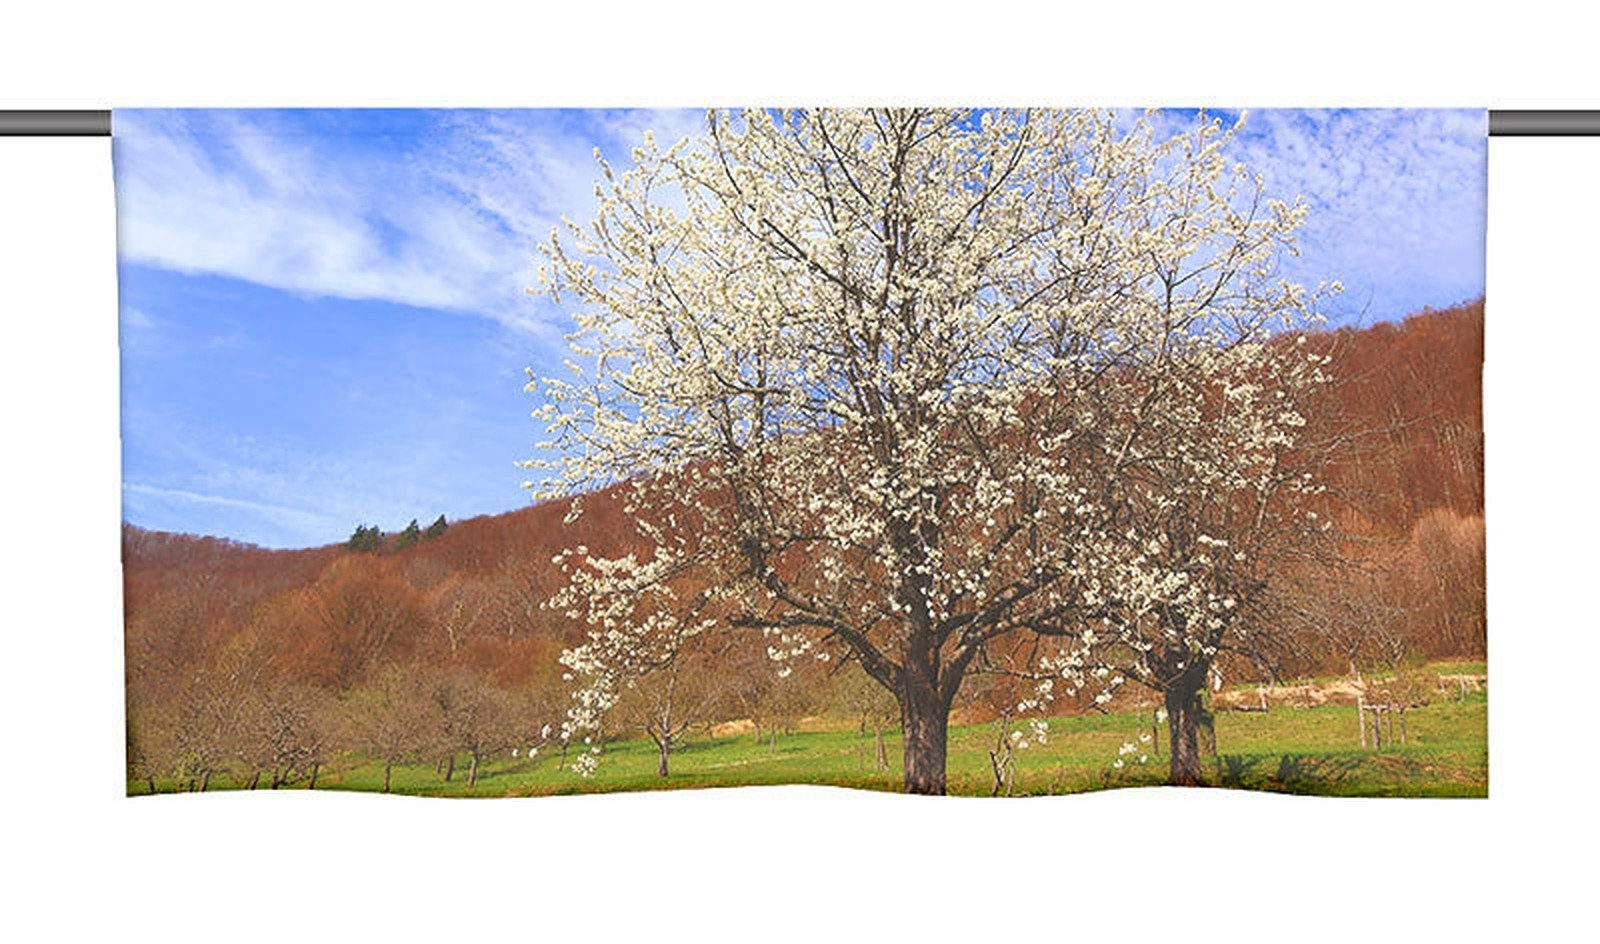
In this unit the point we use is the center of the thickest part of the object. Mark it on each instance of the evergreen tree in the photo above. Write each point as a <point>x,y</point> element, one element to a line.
<point>437,528</point>
<point>366,539</point>
<point>409,536</point>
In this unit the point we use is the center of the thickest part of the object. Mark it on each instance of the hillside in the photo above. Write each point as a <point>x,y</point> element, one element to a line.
<point>212,624</point>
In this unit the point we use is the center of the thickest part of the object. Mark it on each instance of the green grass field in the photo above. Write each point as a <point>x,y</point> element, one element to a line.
<point>1311,750</point>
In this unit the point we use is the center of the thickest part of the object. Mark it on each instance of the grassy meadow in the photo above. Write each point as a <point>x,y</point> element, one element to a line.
<point>1310,750</point>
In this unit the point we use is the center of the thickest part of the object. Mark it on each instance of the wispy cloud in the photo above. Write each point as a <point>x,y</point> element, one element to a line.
<point>137,319</point>
<point>445,216</point>
<point>318,415</point>
<point>291,519</point>
<point>447,211</point>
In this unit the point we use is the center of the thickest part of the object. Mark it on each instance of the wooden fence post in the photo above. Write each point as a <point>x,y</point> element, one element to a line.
<point>1361,716</point>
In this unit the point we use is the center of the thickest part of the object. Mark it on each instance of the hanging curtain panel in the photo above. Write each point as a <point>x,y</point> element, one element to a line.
<point>985,452</point>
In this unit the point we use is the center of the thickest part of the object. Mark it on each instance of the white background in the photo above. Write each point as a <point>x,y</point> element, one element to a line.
<point>785,863</point>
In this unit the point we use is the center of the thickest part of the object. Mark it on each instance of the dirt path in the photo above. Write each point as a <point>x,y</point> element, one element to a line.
<point>1344,691</point>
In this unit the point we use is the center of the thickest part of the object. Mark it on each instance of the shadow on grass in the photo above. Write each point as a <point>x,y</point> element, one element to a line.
<point>1335,775</point>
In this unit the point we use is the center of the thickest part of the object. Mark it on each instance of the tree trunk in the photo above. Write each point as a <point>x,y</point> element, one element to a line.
<point>881,761</point>
<point>926,722</point>
<point>205,781</point>
<point>312,784</point>
<point>661,763</point>
<point>1183,736</point>
<point>388,766</point>
<point>151,780</point>
<point>472,772</point>
<point>450,768</point>
<point>255,780</point>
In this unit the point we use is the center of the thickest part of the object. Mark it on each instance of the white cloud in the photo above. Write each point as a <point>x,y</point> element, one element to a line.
<point>452,218</point>
<point>137,319</point>
<point>1398,200</point>
<point>449,219</point>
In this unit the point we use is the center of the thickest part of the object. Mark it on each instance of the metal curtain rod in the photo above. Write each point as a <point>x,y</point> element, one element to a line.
<point>55,124</point>
<point>1502,123</point>
<point>1546,123</point>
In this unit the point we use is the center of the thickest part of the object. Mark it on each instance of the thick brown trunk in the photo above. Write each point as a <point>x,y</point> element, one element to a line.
<point>151,780</point>
<point>388,767</point>
<point>1183,737</point>
<point>312,785</point>
<point>661,762</point>
<point>449,768</point>
<point>926,722</point>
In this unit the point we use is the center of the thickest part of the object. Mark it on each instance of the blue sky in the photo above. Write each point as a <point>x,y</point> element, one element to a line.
<point>324,318</point>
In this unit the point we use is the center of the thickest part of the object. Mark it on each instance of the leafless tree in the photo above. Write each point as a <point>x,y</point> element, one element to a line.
<point>471,716</point>
<point>680,692</point>
<point>870,706</point>
<point>387,719</point>
<point>286,732</point>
